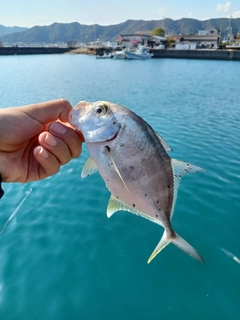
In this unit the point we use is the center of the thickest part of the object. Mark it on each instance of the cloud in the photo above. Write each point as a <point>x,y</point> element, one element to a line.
<point>190,14</point>
<point>236,14</point>
<point>223,7</point>
<point>161,12</point>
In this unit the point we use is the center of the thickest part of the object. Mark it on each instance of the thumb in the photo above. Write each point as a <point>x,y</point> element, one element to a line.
<point>49,111</point>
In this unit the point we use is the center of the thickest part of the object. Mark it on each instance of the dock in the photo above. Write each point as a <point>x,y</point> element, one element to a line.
<point>211,54</point>
<point>15,50</point>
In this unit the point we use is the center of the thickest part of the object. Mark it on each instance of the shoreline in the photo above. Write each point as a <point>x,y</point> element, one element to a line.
<point>211,54</point>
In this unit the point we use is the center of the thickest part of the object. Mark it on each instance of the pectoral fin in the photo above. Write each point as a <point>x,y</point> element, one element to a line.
<point>114,166</point>
<point>88,168</point>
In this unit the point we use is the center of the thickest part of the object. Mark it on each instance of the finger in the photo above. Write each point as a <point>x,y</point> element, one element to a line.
<point>71,138</point>
<point>49,111</point>
<point>49,164</point>
<point>55,146</point>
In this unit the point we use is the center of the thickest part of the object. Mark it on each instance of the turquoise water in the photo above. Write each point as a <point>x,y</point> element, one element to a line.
<point>62,258</point>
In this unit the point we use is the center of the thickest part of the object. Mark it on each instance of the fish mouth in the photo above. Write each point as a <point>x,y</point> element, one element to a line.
<point>72,120</point>
<point>94,133</point>
<point>114,137</point>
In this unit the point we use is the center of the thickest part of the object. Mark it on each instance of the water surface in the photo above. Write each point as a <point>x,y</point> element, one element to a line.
<point>62,258</point>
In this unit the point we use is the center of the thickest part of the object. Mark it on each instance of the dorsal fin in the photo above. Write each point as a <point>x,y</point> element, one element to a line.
<point>181,169</point>
<point>163,142</point>
<point>88,168</point>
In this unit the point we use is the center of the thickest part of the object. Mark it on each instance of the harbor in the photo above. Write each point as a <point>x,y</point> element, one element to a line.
<point>16,50</point>
<point>209,54</point>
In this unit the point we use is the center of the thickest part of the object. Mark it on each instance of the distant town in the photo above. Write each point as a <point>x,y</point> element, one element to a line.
<point>160,37</point>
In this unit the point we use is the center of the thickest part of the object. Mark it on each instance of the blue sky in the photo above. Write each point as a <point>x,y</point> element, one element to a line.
<point>27,13</point>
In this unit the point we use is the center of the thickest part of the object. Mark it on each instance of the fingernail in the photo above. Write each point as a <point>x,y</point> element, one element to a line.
<point>50,140</point>
<point>43,153</point>
<point>57,128</point>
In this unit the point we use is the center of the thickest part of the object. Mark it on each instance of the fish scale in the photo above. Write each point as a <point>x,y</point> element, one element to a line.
<point>134,163</point>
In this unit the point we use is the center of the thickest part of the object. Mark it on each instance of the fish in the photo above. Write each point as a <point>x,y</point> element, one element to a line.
<point>133,160</point>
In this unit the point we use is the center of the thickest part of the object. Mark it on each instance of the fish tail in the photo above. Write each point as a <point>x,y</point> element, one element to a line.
<point>179,242</point>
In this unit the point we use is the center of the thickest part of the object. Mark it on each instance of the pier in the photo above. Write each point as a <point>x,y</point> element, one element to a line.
<point>32,50</point>
<point>210,54</point>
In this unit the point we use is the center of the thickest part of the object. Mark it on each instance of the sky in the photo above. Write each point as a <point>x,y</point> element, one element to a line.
<point>25,13</point>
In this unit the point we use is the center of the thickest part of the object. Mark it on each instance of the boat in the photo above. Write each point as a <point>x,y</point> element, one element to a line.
<point>140,53</point>
<point>235,46</point>
<point>119,55</point>
<point>104,56</point>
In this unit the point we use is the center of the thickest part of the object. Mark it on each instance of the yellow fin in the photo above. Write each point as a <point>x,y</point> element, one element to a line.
<point>88,168</point>
<point>115,204</point>
<point>179,242</point>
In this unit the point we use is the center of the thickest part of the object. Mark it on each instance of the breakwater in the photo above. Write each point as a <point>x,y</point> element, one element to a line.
<point>32,50</point>
<point>197,54</point>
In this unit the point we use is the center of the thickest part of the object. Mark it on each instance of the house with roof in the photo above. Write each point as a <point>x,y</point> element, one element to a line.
<point>141,38</point>
<point>205,39</point>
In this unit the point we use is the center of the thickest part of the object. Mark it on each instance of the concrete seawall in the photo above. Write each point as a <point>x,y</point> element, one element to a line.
<point>31,50</point>
<point>197,54</point>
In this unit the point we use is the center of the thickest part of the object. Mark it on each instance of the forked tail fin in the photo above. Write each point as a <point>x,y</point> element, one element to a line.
<point>179,242</point>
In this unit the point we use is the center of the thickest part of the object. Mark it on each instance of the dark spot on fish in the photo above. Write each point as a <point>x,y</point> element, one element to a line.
<point>168,187</point>
<point>145,194</point>
<point>117,197</point>
<point>121,144</point>
<point>108,148</point>
<point>156,215</point>
<point>133,205</point>
<point>114,122</point>
<point>159,209</point>
<point>157,201</point>
<point>131,168</point>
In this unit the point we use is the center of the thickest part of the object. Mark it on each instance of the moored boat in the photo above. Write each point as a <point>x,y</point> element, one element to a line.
<point>104,56</point>
<point>141,53</point>
<point>119,55</point>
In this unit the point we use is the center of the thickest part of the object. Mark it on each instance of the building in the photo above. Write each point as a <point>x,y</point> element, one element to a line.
<point>204,39</point>
<point>141,38</point>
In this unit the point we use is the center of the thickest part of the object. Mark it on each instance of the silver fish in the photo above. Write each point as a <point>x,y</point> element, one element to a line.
<point>133,161</point>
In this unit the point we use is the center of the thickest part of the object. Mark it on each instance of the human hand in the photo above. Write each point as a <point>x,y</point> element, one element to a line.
<point>35,140</point>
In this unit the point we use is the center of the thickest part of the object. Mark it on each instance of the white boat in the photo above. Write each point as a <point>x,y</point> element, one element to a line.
<point>104,56</point>
<point>141,53</point>
<point>233,46</point>
<point>119,55</point>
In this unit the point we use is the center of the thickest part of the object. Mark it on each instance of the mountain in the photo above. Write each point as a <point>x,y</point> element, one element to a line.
<point>8,30</point>
<point>63,32</point>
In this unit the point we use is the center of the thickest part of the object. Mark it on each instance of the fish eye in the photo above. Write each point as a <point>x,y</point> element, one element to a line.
<point>101,110</point>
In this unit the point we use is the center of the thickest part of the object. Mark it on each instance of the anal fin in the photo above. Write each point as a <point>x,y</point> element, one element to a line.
<point>115,204</point>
